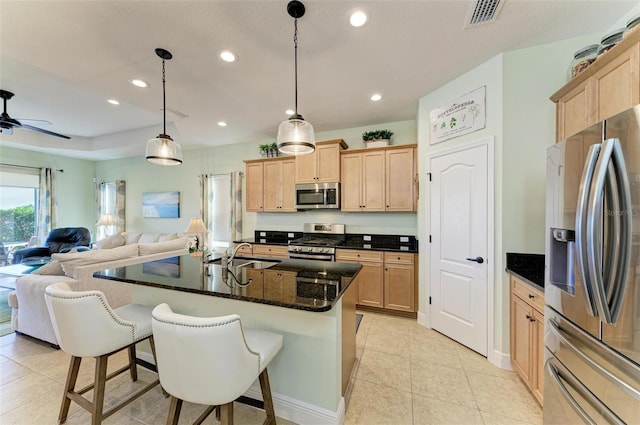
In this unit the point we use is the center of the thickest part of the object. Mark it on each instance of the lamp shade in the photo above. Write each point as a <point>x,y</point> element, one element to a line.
<point>196,226</point>
<point>296,137</point>
<point>163,151</point>
<point>107,220</point>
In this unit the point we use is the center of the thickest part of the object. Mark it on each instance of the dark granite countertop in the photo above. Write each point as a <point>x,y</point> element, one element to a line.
<point>528,267</point>
<point>317,286</point>
<point>371,242</point>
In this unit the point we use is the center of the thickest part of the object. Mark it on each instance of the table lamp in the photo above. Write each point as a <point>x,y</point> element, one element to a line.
<point>108,220</point>
<point>197,226</point>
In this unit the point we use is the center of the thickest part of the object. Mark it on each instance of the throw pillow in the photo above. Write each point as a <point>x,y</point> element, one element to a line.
<point>131,237</point>
<point>109,242</point>
<point>148,238</point>
<point>71,261</point>
<point>162,237</point>
<point>158,247</point>
<point>53,268</point>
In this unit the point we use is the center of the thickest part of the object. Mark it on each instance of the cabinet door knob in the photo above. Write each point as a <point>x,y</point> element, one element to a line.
<point>531,296</point>
<point>528,317</point>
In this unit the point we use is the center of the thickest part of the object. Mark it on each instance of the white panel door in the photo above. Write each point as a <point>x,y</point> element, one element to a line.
<point>458,227</point>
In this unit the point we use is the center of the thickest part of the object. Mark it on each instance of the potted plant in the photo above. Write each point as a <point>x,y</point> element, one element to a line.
<point>264,150</point>
<point>273,147</point>
<point>377,138</point>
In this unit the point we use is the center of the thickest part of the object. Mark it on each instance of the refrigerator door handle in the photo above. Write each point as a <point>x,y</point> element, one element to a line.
<point>608,290</point>
<point>555,329</point>
<point>558,373</point>
<point>582,211</point>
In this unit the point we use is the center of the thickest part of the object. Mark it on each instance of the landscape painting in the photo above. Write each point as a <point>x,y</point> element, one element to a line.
<point>161,204</point>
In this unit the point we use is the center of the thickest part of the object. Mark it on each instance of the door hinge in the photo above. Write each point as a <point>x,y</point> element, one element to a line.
<point>429,174</point>
<point>429,300</point>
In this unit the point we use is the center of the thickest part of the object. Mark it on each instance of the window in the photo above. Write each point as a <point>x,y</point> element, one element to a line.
<point>220,211</point>
<point>18,207</point>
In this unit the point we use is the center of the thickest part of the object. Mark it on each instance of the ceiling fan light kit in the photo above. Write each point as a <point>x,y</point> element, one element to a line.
<point>162,150</point>
<point>295,135</point>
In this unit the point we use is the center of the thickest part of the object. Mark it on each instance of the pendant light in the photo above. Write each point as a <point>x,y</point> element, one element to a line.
<point>163,150</point>
<point>295,135</point>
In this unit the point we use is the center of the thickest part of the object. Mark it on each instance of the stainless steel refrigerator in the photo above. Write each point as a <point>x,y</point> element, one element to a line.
<point>592,275</point>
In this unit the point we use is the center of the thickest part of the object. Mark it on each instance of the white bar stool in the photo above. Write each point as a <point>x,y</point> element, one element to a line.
<point>211,361</point>
<point>86,326</point>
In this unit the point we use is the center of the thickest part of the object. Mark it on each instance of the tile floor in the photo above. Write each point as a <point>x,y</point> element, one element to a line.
<point>405,374</point>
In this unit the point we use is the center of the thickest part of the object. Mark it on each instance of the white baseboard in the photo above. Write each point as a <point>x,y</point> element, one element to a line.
<point>502,360</point>
<point>286,407</point>
<point>423,319</point>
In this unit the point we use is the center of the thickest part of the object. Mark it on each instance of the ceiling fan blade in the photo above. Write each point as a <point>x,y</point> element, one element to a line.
<point>6,131</point>
<point>33,122</point>
<point>40,130</point>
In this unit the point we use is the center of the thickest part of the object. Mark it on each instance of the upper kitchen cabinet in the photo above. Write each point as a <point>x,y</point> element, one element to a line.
<point>609,85</point>
<point>269,187</point>
<point>379,179</point>
<point>321,166</point>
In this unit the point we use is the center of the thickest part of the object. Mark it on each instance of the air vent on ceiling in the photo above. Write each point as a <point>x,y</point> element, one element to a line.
<point>484,12</point>
<point>177,113</point>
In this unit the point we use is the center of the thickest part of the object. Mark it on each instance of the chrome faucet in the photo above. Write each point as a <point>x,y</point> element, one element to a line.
<point>226,259</point>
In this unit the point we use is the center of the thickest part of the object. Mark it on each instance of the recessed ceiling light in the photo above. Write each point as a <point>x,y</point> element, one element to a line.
<point>222,124</point>
<point>358,18</point>
<point>139,83</point>
<point>113,102</point>
<point>289,112</point>
<point>376,97</point>
<point>227,56</point>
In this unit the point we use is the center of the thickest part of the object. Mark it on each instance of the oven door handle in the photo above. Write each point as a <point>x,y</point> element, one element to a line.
<point>319,257</point>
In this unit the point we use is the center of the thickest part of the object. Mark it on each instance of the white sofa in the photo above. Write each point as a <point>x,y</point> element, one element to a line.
<point>29,314</point>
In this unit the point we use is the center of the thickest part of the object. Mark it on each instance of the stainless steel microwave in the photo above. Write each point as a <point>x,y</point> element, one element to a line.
<point>317,195</point>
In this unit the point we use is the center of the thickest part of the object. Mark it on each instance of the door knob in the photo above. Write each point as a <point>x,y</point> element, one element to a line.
<point>478,260</point>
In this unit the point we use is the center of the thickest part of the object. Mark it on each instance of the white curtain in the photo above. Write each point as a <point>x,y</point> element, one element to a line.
<point>111,200</point>
<point>47,207</point>
<point>221,208</point>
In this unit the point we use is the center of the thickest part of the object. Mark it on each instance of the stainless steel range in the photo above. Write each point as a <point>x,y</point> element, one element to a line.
<point>318,242</point>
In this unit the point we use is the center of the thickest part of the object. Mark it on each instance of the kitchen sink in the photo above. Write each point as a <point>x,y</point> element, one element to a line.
<point>258,264</point>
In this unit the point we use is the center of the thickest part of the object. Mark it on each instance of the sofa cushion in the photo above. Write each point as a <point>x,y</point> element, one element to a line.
<point>109,242</point>
<point>53,268</point>
<point>162,237</point>
<point>148,238</point>
<point>131,237</point>
<point>71,261</point>
<point>158,247</point>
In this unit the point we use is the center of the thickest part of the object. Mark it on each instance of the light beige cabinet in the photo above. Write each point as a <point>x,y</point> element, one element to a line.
<point>379,179</point>
<point>321,166</point>
<point>280,285</point>
<point>609,85</point>
<point>527,334</point>
<point>270,251</point>
<point>387,280</point>
<point>270,187</point>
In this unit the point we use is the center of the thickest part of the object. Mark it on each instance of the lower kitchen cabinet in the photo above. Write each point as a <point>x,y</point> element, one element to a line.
<point>270,251</point>
<point>527,334</point>
<point>387,280</point>
<point>280,285</point>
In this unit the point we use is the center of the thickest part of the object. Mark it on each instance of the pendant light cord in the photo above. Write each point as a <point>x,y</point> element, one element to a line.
<point>295,44</point>
<point>164,104</point>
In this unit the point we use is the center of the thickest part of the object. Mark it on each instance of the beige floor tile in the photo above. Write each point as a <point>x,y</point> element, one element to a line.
<point>429,411</point>
<point>493,419</point>
<point>385,369</point>
<point>24,346</point>
<point>504,396</point>
<point>11,371</point>
<point>442,382</point>
<point>84,418</point>
<point>398,325</point>
<point>425,350</point>
<point>7,339</point>
<point>24,390</point>
<point>388,341</point>
<point>3,359</point>
<point>474,362</point>
<point>376,404</point>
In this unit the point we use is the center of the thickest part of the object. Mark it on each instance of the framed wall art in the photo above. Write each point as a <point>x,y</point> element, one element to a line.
<point>161,204</point>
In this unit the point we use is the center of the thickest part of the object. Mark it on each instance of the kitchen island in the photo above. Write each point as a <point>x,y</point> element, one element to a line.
<point>311,303</point>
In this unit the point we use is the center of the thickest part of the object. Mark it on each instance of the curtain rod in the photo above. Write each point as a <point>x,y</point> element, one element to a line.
<point>26,166</point>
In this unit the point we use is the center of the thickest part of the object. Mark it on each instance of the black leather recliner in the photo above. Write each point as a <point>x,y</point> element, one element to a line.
<point>61,239</point>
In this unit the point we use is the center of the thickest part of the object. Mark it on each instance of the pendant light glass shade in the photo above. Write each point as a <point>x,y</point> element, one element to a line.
<point>162,150</point>
<point>295,137</point>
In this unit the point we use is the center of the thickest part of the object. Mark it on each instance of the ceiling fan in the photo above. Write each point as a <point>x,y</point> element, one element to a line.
<point>7,124</point>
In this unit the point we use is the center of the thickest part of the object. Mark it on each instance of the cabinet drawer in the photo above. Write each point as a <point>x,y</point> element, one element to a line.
<point>398,257</point>
<point>244,250</point>
<point>532,296</point>
<point>357,255</point>
<point>270,251</point>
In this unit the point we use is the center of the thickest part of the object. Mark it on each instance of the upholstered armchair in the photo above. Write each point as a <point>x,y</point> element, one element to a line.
<point>61,239</point>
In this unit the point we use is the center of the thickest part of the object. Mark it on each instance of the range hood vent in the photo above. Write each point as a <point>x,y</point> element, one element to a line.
<point>484,12</point>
